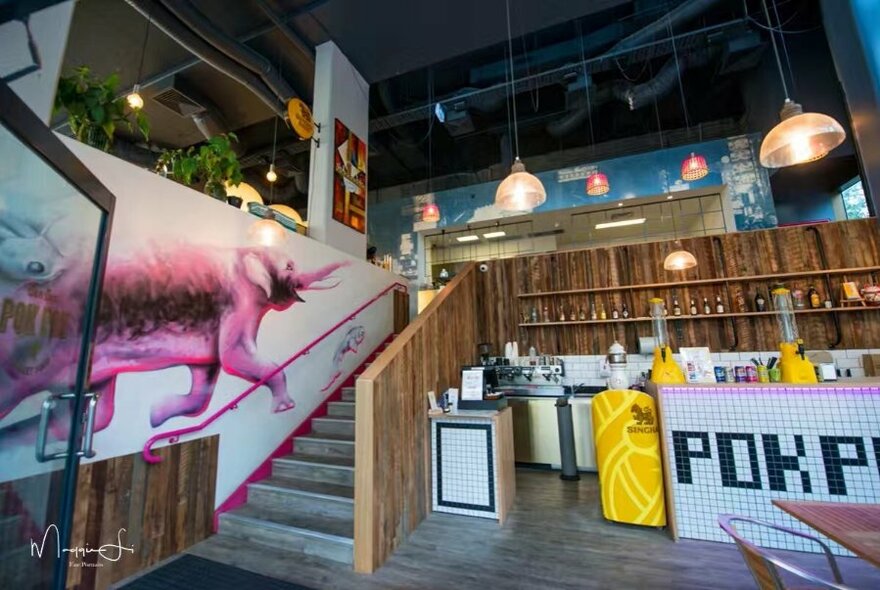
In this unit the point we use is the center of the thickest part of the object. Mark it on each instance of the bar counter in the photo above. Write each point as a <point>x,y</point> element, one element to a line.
<point>734,448</point>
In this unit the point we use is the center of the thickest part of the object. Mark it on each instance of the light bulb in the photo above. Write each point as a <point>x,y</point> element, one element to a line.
<point>134,98</point>
<point>800,147</point>
<point>271,176</point>
<point>268,232</point>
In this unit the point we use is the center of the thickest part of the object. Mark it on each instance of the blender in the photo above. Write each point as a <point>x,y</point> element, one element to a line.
<point>793,363</point>
<point>664,369</point>
<point>618,377</point>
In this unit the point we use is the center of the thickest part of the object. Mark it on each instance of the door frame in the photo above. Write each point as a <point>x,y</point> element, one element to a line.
<point>21,121</point>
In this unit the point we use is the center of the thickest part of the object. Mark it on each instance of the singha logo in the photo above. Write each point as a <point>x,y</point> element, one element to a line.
<point>642,415</point>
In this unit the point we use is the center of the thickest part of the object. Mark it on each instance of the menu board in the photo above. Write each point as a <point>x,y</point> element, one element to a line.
<point>472,384</point>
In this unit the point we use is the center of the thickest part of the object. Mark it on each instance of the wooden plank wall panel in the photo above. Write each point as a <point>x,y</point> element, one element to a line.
<point>392,446</point>
<point>164,508</point>
<point>847,244</point>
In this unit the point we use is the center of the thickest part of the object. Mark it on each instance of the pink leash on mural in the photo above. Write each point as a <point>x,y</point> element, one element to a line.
<point>173,436</point>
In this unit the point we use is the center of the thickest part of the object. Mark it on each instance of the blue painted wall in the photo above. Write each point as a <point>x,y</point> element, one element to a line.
<point>732,162</point>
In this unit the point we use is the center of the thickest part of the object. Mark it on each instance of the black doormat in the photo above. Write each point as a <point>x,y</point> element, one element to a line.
<point>195,573</point>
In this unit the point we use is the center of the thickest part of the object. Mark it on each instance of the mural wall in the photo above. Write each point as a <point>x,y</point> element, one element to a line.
<point>193,314</point>
<point>732,162</point>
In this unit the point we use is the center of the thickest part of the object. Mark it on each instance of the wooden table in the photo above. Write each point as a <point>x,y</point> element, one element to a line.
<point>855,526</point>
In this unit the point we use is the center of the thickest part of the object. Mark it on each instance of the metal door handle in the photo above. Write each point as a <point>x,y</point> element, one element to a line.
<point>89,432</point>
<point>49,404</point>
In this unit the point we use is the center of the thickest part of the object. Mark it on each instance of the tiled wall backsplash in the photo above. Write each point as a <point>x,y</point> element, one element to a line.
<point>585,369</point>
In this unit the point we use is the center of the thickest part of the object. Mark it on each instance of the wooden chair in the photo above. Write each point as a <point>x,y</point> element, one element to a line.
<point>766,567</point>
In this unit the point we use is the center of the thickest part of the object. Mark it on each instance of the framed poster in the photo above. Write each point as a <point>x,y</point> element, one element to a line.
<point>349,178</point>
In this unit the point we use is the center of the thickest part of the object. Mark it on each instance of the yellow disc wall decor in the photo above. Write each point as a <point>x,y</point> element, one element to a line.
<point>300,116</point>
<point>628,455</point>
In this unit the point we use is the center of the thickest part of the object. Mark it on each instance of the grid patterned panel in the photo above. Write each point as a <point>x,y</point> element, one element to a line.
<point>464,474</point>
<point>733,450</point>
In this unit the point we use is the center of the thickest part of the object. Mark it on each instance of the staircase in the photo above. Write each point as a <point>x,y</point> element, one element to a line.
<point>307,504</point>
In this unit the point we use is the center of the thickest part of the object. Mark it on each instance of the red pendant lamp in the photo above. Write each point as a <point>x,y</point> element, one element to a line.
<point>597,184</point>
<point>431,213</point>
<point>694,167</point>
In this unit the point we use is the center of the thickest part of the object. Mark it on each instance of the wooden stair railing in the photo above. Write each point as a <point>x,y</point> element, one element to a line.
<point>392,447</point>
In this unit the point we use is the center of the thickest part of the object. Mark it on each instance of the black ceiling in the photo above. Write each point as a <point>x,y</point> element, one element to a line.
<point>417,53</point>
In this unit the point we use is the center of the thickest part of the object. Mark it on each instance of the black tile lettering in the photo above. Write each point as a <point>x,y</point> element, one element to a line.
<point>834,463</point>
<point>727,460</point>
<point>683,454</point>
<point>778,464</point>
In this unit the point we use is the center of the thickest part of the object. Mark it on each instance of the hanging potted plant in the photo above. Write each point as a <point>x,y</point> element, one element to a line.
<point>212,166</point>
<point>94,111</point>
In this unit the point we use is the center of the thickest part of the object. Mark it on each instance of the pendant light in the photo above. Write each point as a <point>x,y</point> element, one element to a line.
<point>268,232</point>
<point>134,99</point>
<point>597,184</point>
<point>799,137</point>
<point>679,258</point>
<point>431,211</point>
<point>694,167</point>
<point>520,191</point>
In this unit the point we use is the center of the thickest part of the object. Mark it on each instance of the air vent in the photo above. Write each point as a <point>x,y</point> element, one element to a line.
<point>174,100</point>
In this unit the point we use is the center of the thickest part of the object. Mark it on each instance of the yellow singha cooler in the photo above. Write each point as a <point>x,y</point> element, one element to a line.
<point>628,456</point>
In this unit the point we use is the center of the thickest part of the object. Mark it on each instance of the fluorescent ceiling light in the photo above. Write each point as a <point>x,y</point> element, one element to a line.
<point>494,234</point>
<point>468,238</point>
<point>638,221</point>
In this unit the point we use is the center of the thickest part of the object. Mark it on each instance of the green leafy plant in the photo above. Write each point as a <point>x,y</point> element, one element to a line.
<point>213,164</point>
<point>94,111</point>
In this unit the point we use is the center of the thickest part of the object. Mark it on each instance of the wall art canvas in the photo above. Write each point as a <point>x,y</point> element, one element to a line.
<point>349,178</point>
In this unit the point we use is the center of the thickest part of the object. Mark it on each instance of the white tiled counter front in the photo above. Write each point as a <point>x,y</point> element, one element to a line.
<point>472,463</point>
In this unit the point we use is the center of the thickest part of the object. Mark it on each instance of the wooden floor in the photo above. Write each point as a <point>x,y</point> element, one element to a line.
<point>555,538</point>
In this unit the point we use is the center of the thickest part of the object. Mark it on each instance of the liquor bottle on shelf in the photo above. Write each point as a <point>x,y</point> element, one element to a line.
<point>739,300</point>
<point>625,312</point>
<point>593,315</point>
<point>760,302</point>
<point>828,303</point>
<point>693,306</point>
<point>614,313</point>
<point>561,314</point>
<point>665,311</point>
<point>797,296</point>
<point>719,306</point>
<point>813,296</point>
<point>602,314</point>
<point>546,315</point>
<point>706,308</point>
<point>676,308</point>
<point>581,315</point>
<point>571,314</point>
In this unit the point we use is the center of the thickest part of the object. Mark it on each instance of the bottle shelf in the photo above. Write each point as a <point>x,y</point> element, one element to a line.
<point>696,282</point>
<point>747,314</point>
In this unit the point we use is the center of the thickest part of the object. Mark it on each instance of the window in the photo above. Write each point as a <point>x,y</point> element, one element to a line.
<point>854,203</point>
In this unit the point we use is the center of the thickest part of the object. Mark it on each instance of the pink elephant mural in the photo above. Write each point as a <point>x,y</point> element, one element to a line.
<point>192,306</point>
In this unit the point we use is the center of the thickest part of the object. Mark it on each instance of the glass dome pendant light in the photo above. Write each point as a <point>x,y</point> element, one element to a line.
<point>520,191</point>
<point>799,137</point>
<point>268,232</point>
<point>678,259</point>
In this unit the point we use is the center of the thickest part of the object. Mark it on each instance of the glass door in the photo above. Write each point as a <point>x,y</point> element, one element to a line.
<point>54,224</point>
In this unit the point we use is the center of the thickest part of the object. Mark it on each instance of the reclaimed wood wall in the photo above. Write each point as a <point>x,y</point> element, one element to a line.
<point>164,508</point>
<point>392,447</point>
<point>849,244</point>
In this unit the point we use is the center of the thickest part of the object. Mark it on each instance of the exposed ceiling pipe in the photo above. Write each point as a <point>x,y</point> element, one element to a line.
<point>641,95</point>
<point>195,45</point>
<point>193,18</point>
<point>288,32</point>
<point>680,14</point>
<point>566,124</point>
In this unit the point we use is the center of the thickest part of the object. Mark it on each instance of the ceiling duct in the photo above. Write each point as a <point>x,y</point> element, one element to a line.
<point>168,24</point>
<point>177,97</point>
<point>193,18</point>
<point>682,13</point>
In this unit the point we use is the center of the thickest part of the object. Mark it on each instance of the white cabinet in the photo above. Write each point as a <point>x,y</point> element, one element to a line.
<point>536,434</point>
